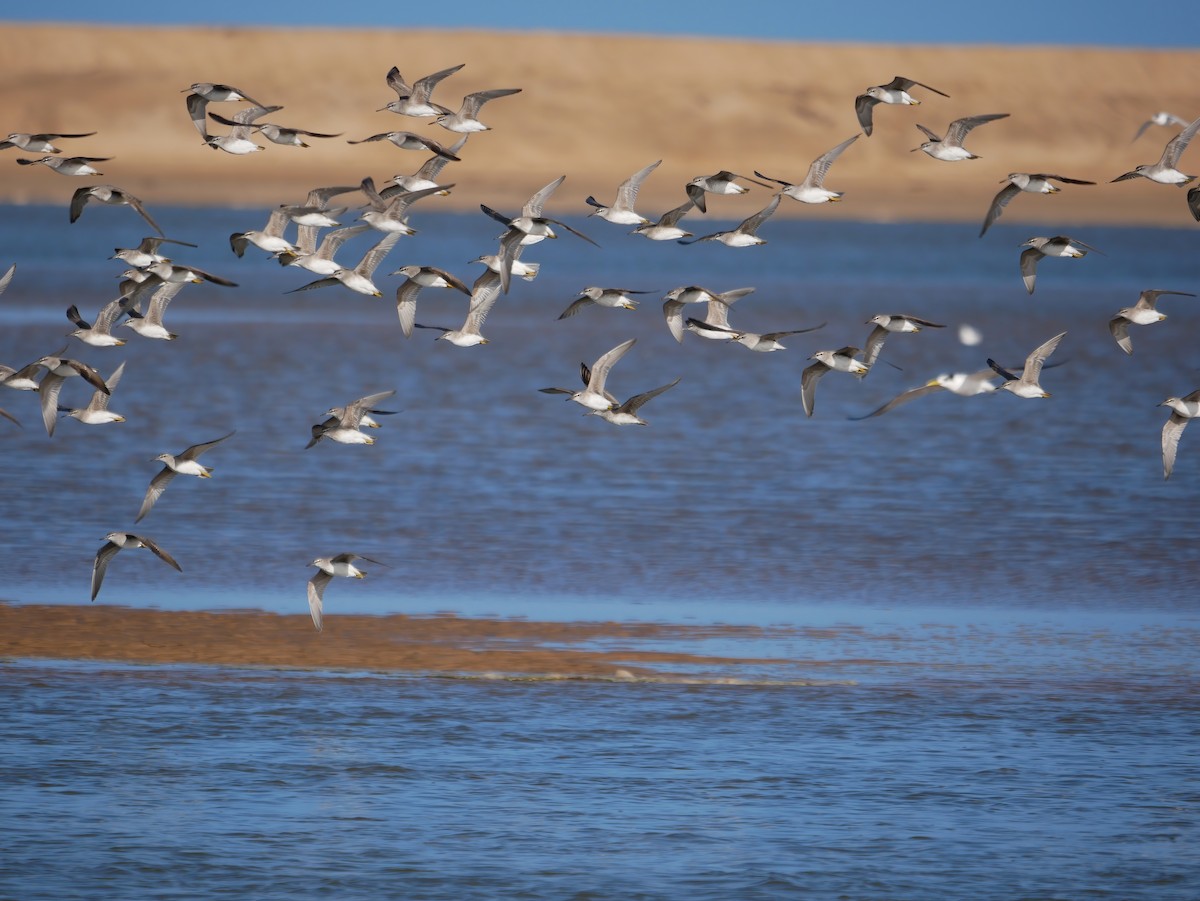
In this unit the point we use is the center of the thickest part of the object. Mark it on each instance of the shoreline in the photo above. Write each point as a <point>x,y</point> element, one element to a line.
<point>771,106</point>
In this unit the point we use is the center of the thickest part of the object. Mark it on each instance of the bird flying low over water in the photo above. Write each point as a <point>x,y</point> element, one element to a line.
<point>117,541</point>
<point>595,396</point>
<point>1057,246</point>
<point>97,412</point>
<point>112,195</point>
<point>415,100</point>
<point>343,424</point>
<point>327,568</point>
<point>621,212</point>
<point>886,324</point>
<point>1143,312</point>
<point>616,298</point>
<point>841,360</point>
<point>1033,183</point>
<point>181,464</point>
<point>746,233</point>
<point>58,370</point>
<point>416,278</point>
<point>894,92</point>
<point>1183,410</point>
<point>1026,384</point>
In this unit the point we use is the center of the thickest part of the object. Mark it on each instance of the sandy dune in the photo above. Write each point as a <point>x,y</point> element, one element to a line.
<point>597,108</point>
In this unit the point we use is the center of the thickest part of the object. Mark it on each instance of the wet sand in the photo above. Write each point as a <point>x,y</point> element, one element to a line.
<point>442,644</point>
<point>700,105</point>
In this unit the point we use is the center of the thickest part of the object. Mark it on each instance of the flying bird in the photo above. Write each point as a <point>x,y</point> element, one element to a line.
<point>327,568</point>
<point>117,541</point>
<point>1057,246</point>
<point>1016,182</point>
<point>1183,410</point>
<point>1026,384</point>
<point>1143,312</point>
<point>894,92</point>
<point>181,464</point>
<point>950,148</point>
<point>812,189</point>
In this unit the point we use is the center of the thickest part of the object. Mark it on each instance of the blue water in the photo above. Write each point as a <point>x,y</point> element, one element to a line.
<point>980,615</point>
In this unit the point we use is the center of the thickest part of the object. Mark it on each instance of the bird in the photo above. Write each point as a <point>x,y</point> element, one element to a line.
<point>841,360</point>
<point>415,100</point>
<point>1141,313</point>
<point>617,298</point>
<point>964,384</point>
<point>1183,410</point>
<point>627,413</point>
<point>389,215</point>
<point>761,343</point>
<point>343,423</point>
<point>466,120</point>
<point>718,183</point>
<point>146,253</point>
<point>179,464</point>
<point>894,92</point>
<point>812,189</point>
<point>23,379</point>
<point>287,135</point>
<point>99,333</point>
<point>38,143</point>
<point>327,568</point>
<point>716,313</point>
<point>416,278</point>
<point>112,195</point>
<point>1016,182</point>
<point>1026,384</point>
<point>150,325</point>
<point>69,165</point>
<point>358,279</point>
<point>426,175</point>
<point>622,212</point>
<point>1164,171</point>
<point>97,412</point>
<point>522,270</point>
<point>320,261</point>
<point>484,292</point>
<point>950,148</point>
<point>1162,118</point>
<point>1057,246</point>
<point>886,324</point>
<point>407,140</point>
<point>59,369</point>
<point>117,541</point>
<point>667,227</point>
<point>594,395</point>
<point>238,140</point>
<point>177,272</point>
<point>746,233</point>
<point>269,238</point>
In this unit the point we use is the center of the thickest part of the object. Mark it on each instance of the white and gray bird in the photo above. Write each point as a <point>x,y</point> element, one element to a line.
<point>950,148</point>
<point>238,141</point>
<point>716,312</point>
<point>1026,384</point>
<point>895,91</point>
<point>595,396</point>
<point>38,143</point>
<point>328,567</point>
<point>886,324</point>
<point>841,360</point>
<point>1162,119</point>
<point>417,278</point>
<point>1057,246</point>
<point>58,370</point>
<point>343,424</point>
<point>111,195</point>
<point>414,100</point>
<point>746,233</point>
<point>812,189</point>
<point>484,293</point>
<point>1032,183</point>
<point>97,412</point>
<point>69,165</point>
<point>178,464</point>
<point>146,253</point>
<point>466,119</point>
<point>667,227</point>
<point>1144,312</point>
<point>1183,410</point>
<point>723,183</point>
<point>117,541</point>
<point>1166,171</point>
<point>615,298</point>
<point>621,212</point>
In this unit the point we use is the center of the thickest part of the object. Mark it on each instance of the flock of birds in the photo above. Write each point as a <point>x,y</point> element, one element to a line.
<point>153,279</point>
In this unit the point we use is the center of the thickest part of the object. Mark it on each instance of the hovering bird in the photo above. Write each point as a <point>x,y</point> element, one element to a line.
<point>616,298</point>
<point>343,423</point>
<point>1183,410</point>
<point>667,227</point>
<point>416,278</point>
<point>812,189</point>
<point>1143,312</point>
<point>327,568</point>
<point>886,324</point>
<point>1026,384</point>
<point>746,234</point>
<point>1161,118</point>
<point>112,195</point>
<point>484,293</point>
<point>841,360</point>
<point>1035,183</point>
<point>415,100</point>
<point>466,120</point>
<point>117,541</point>
<point>895,92</point>
<point>181,464</point>
<point>38,143</point>
<point>69,165</point>
<point>1057,246</point>
<point>622,212</point>
<point>97,412</point>
<point>1164,171</point>
<point>950,148</point>
<point>594,395</point>
<point>718,183</point>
